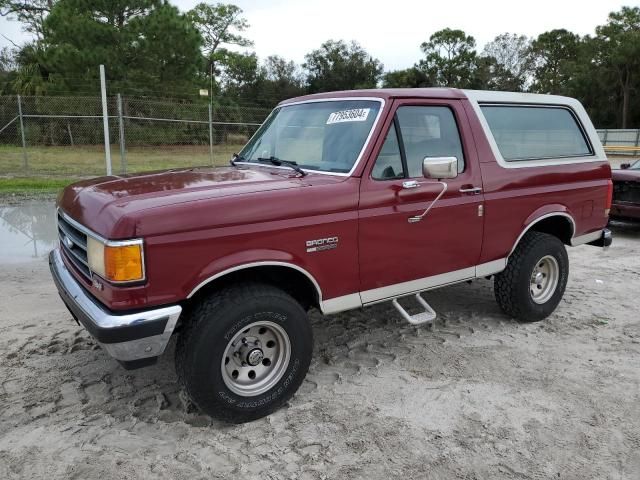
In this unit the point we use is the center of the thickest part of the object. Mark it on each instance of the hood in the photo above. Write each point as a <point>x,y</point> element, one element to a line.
<point>103,202</point>
<point>625,175</point>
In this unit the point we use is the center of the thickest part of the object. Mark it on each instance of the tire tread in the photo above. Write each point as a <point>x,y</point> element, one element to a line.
<point>506,282</point>
<point>206,308</point>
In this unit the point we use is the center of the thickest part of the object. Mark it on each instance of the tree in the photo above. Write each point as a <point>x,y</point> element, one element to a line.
<point>450,58</point>
<point>595,85</point>
<point>412,77</point>
<point>264,84</point>
<point>240,71</point>
<point>513,62</point>
<point>555,54</point>
<point>31,76</point>
<point>7,69</point>
<point>7,60</point>
<point>216,24</point>
<point>143,42</point>
<point>277,69</point>
<point>280,79</point>
<point>29,12</point>
<point>337,65</point>
<point>220,26</point>
<point>619,51</point>
<point>490,75</point>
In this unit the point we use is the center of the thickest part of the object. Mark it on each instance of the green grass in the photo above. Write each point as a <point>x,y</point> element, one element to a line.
<point>88,161</point>
<point>50,168</point>
<point>18,185</point>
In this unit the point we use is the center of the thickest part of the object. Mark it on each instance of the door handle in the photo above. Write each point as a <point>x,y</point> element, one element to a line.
<point>410,184</point>
<point>473,190</point>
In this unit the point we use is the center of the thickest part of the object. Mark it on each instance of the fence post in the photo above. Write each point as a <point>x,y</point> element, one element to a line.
<point>70,134</point>
<point>123,151</point>
<point>637,138</point>
<point>210,135</point>
<point>24,142</point>
<point>606,133</point>
<point>105,121</point>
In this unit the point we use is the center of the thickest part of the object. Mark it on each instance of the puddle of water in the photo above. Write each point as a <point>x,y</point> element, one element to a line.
<point>27,232</point>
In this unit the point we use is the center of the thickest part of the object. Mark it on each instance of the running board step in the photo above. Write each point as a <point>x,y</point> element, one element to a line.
<point>428,316</point>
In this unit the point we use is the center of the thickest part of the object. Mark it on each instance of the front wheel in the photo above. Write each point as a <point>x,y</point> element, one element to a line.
<point>532,284</point>
<point>244,352</point>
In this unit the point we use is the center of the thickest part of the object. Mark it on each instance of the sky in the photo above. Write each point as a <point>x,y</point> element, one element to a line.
<point>393,30</point>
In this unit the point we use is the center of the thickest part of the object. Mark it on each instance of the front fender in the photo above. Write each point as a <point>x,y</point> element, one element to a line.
<point>248,259</point>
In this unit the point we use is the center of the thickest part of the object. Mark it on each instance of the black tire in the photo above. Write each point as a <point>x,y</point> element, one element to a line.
<point>211,326</point>
<point>512,285</point>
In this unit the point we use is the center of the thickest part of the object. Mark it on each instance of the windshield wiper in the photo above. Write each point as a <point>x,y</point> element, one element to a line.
<point>235,158</point>
<point>277,162</point>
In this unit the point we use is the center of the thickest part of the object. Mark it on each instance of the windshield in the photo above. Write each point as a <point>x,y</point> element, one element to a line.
<point>635,165</point>
<point>326,136</point>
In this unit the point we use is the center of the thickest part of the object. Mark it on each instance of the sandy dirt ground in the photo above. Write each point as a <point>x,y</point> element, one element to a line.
<point>476,396</point>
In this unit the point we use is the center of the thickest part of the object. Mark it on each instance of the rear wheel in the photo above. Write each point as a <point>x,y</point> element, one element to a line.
<point>244,352</point>
<point>535,279</point>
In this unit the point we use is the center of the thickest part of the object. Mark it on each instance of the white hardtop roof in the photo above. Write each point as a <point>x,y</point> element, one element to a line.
<point>488,96</point>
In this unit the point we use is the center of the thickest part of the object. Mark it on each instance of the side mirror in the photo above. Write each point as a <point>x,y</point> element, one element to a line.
<point>624,166</point>
<point>440,167</point>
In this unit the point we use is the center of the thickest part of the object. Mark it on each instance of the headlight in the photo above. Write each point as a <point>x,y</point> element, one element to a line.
<point>95,256</point>
<point>116,261</point>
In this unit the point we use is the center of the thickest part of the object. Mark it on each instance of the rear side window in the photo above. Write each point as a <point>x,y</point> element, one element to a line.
<point>535,132</point>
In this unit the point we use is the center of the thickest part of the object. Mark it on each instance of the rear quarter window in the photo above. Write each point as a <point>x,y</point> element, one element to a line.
<point>535,132</point>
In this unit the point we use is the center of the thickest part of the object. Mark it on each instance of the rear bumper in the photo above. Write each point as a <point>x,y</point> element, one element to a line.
<point>604,240</point>
<point>134,339</point>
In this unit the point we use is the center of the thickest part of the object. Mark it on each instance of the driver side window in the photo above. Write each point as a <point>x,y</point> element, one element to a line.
<point>388,165</point>
<point>428,131</point>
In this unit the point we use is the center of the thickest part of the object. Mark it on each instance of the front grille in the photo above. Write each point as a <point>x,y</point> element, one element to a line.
<point>626,192</point>
<point>73,243</point>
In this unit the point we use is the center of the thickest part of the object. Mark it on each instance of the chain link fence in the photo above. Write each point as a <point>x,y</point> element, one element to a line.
<point>63,136</point>
<point>624,142</point>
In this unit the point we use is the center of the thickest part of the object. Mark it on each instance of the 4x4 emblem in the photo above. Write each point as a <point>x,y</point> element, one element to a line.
<point>321,244</point>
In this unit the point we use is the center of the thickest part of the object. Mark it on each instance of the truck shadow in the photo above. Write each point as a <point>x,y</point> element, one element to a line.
<point>347,346</point>
<point>350,348</point>
<point>625,229</point>
<point>377,337</point>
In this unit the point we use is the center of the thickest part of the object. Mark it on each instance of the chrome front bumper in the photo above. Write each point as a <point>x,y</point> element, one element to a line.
<point>134,339</point>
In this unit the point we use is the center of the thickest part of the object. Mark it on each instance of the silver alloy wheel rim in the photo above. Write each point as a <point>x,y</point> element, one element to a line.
<point>544,279</point>
<point>256,358</point>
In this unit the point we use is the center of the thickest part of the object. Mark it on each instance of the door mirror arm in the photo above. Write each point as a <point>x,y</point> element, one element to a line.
<point>438,168</point>
<point>417,218</point>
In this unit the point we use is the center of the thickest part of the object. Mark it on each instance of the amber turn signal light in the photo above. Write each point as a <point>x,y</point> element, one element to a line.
<point>123,263</point>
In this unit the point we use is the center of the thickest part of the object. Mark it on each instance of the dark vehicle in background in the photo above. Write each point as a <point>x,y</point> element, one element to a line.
<point>626,192</point>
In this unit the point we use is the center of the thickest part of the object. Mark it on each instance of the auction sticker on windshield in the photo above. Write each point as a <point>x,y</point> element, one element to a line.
<point>353,115</point>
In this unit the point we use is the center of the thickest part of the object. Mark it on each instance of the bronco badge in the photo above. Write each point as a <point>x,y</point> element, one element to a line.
<point>322,244</point>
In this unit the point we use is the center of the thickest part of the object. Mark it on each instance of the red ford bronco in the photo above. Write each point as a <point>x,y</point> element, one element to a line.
<point>339,201</point>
